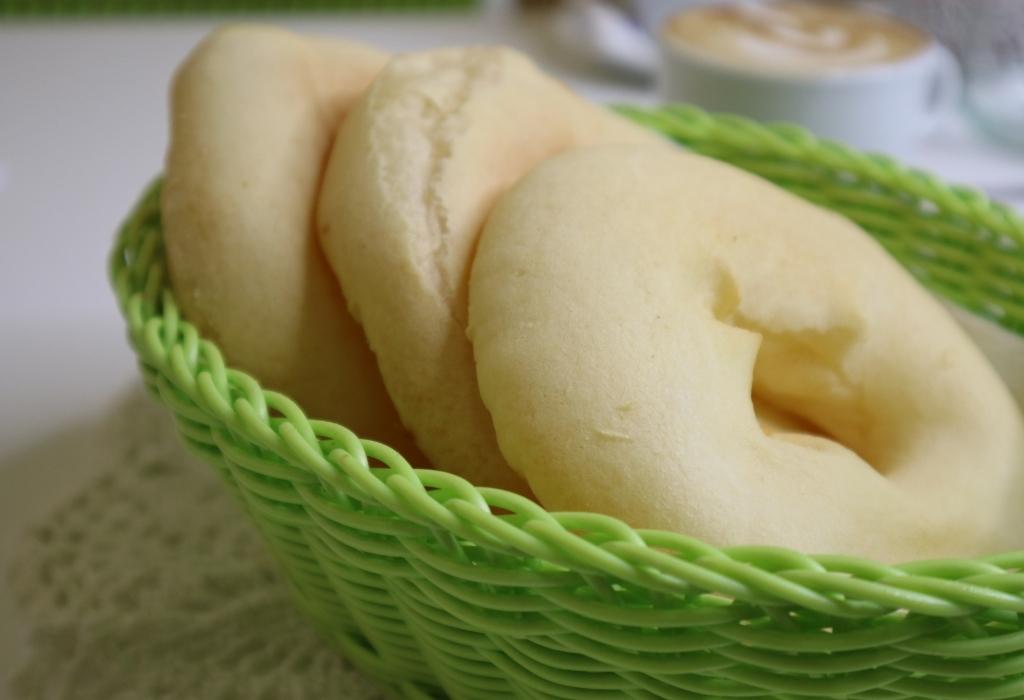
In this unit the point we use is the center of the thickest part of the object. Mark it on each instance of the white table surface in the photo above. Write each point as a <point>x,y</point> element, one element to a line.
<point>83,129</point>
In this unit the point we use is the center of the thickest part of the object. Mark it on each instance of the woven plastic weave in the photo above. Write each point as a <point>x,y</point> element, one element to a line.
<point>446,590</point>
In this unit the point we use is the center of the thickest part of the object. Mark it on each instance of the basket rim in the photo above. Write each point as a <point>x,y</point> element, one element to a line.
<point>188,371</point>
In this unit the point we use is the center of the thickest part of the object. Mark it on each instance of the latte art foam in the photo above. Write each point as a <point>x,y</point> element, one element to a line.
<point>795,36</point>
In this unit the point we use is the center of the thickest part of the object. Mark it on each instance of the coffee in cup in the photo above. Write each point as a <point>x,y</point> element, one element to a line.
<point>795,37</point>
<point>845,72</point>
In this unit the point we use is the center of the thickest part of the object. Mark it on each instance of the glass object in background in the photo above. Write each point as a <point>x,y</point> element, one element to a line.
<point>995,87</point>
<point>651,13</point>
<point>988,38</point>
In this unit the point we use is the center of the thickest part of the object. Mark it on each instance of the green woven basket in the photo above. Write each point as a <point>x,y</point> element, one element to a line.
<point>441,589</point>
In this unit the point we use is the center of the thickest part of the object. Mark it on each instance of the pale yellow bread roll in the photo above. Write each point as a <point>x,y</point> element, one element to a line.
<point>626,303</point>
<point>253,114</point>
<point>412,175</point>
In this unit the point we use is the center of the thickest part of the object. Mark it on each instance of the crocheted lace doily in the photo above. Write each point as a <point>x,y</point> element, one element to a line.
<point>150,583</point>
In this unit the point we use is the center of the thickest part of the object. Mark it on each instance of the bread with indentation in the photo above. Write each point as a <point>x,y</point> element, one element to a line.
<point>628,307</point>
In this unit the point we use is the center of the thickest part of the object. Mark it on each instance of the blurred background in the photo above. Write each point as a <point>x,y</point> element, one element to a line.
<point>83,129</point>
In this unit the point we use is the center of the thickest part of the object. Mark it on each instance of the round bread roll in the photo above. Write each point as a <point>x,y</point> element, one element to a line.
<point>253,114</point>
<point>413,173</point>
<point>632,310</point>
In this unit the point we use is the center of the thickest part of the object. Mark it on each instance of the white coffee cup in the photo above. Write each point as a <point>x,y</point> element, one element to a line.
<point>886,105</point>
